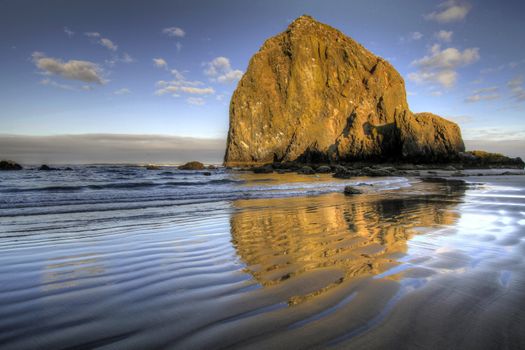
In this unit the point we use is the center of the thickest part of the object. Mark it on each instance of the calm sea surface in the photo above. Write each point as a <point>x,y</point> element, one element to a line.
<point>120,257</point>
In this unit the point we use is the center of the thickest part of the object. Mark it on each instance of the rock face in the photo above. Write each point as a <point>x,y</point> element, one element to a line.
<point>313,94</point>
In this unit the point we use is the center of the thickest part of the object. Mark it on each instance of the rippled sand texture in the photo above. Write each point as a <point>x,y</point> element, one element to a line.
<point>436,265</point>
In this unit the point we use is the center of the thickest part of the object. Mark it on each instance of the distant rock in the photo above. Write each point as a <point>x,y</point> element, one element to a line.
<point>211,167</point>
<point>45,167</point>
<point>192,166</point>
<point>9,165</point>
<point>487,159</point>
<point>313,95</point>
<point>153,167</point>
<point>349,190</point>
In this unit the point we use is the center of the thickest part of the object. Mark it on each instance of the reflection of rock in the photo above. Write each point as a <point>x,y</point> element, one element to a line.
<point>279,239</point>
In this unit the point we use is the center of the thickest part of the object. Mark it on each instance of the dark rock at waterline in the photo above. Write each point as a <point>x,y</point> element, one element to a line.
<point>323,169</point>
<point>45,167</point>
<point>211,167</point>
<point>9,165</point>
<point>206,173</point>
<point>192,166</point>
<point>267,169</point>
<point>484,159</point>
<point>345,173</point>
<point>306,170</point>
<point>153,167</point>
<point>349,190</point>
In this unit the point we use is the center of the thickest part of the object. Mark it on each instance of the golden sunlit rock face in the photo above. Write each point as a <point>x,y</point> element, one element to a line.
<point>313,94</point>
<point>348,238</point>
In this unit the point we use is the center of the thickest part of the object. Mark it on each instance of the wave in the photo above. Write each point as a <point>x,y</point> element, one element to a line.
<point>120,186</point>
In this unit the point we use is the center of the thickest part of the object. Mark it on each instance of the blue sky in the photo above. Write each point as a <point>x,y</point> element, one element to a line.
<point>169,67</point>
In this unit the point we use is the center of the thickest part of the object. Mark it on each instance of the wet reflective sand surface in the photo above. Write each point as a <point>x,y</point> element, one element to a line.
<point>434,265</point>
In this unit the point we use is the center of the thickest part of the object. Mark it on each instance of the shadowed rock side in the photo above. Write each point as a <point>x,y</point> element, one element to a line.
<point>313,94</point>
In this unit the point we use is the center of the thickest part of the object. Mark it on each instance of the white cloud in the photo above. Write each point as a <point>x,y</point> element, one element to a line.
<point>178,45</point>
<point>516,87</point>
<point>416,35</point>
<point>173,88</point>
<point>449,58</point>
<point>160,62</point>
<point>484,94</point>
<point>69,32</point>
<point>450,11</point>
<point>108,44</point>
<point>444,35</point>
<point>123,91</point>
<point>180,85</point>
<point>174,32</point>
<point>126,58</point>
<point>85,71</point>
<point>92,34</point>
<point>440,66</point>
<point>461,119</point>
<point>53,83</point>
<point>178,75</point>
<point>219,69</point>
<point>446,78</point>
<point>197,101</point>
<point>105,42</point>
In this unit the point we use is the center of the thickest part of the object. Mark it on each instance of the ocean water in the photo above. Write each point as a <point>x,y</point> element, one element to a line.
<point>120,257</point>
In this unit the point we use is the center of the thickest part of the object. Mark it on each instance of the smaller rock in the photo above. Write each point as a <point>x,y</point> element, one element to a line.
<point>9,165</point>
<point>306,170</point>
<point>212,167</point>
<point>267,169</point>
<point>323,169</point>
<point>68,169</point>
<point>45,167</point>
<point>349,190</point>
<point>152,167</point>
<point>376,172</point>
<point>344,173</point>
<point>192,166</point>
<point>206,173</point>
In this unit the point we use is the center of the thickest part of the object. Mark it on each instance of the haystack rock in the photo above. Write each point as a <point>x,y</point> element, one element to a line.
<point>312,94</point>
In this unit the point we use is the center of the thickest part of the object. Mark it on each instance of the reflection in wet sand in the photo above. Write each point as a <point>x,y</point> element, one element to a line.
<point>430,265</point>
<point>359,236</point>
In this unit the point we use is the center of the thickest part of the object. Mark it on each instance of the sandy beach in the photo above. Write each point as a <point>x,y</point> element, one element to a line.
<point>289,262</point>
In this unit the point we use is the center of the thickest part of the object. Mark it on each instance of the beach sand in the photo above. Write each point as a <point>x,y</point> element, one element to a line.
<point>435,265</point>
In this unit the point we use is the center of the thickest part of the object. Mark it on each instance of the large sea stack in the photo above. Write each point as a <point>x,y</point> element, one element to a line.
<point>312,94</point>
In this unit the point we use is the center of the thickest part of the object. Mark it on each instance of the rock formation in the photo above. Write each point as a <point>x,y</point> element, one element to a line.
<point>313,94</point>
<point>9,165</point>
<point>194,165</point>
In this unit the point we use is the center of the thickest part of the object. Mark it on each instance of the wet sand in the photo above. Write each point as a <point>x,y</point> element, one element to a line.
<point>437,265</point>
